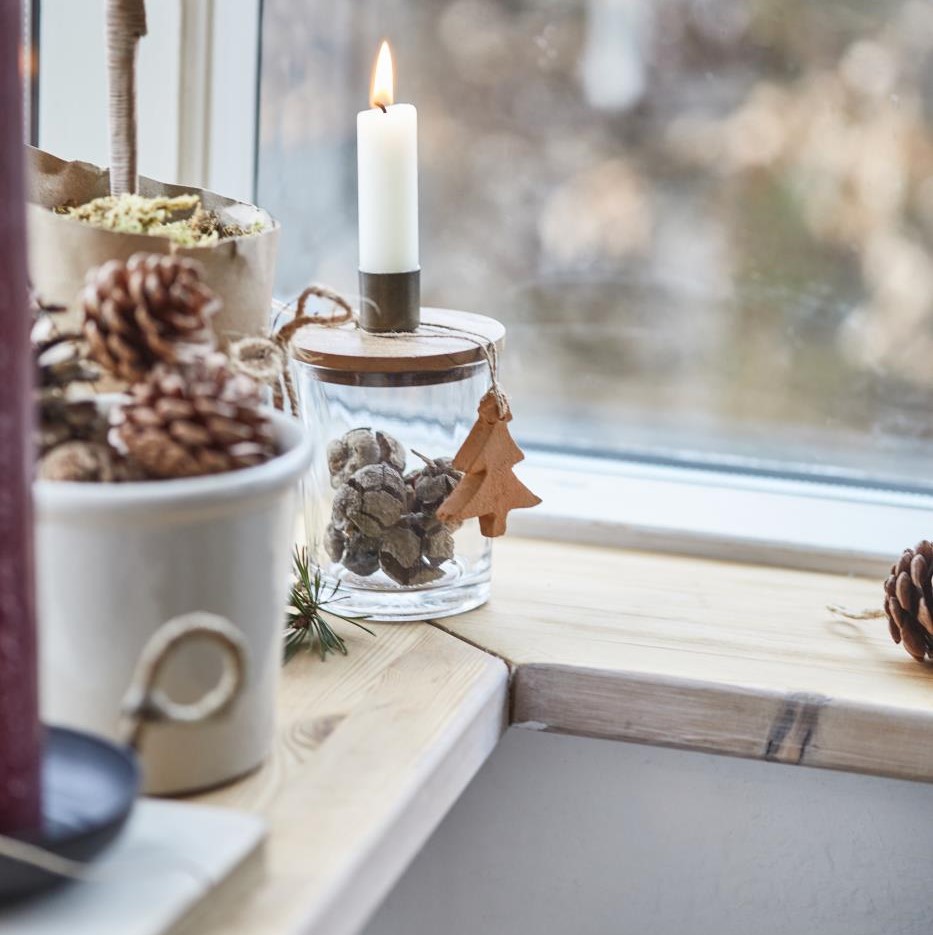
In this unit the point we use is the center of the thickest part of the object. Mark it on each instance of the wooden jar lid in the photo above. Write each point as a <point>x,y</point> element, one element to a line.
<point>347,348</point>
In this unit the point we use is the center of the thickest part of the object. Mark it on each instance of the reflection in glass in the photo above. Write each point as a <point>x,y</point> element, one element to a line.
<point>708,224</point>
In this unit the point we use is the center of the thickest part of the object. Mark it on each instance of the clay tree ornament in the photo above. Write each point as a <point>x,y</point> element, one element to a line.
<point>237,254</point>
<point>488,489</point>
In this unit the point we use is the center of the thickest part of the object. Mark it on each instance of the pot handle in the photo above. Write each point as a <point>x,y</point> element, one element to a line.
<point>145,704</point>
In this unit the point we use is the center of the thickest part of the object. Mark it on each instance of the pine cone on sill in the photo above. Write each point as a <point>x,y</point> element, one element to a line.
<point>198,419</point>
<point>908,600</point>
<point>151,309</point>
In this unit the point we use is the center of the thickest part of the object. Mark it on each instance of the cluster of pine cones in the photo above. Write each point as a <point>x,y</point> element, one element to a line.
<point>383,518</point>
<point>147,322</point>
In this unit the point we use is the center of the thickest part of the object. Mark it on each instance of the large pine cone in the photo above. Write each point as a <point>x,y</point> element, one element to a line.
<point>908,600</point>
<point>199,419</point>
<point>146,311</point>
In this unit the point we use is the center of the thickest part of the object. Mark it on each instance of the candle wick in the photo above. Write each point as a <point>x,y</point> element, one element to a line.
<point>381,106</point>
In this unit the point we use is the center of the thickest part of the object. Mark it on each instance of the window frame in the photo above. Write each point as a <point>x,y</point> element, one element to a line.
<point>720,514</point>
<point>198,73</point>
<point>212,141</point>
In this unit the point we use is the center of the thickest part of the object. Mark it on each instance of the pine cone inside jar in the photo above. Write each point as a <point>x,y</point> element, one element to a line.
<point>152,309</point>
<point>371,501</point>
<point>412,551</point>
<point>353,550</point>
<point>359,448</point>
<point>198,419</point>
<point>437,542</point>
<point>908,600</point>
<point>430,486</point>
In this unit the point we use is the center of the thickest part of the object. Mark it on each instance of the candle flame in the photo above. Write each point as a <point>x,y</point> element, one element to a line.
<point>382,92</point>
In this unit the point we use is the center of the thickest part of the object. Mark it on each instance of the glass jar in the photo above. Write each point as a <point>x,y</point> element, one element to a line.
<point>387,414</point>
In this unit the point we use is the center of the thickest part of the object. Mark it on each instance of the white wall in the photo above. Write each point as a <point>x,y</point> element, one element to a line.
<point>569,835</point>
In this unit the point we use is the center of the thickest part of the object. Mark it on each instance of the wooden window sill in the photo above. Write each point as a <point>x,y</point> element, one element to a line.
<point>699,654</point>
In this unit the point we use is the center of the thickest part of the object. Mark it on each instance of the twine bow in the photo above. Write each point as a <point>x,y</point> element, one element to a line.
<point>266,358</point>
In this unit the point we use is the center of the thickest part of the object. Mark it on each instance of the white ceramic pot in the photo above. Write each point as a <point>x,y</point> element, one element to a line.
<point>115,561</point>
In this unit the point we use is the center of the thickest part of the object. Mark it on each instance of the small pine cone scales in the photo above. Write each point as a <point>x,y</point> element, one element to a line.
<point>65,415</point>
<point>62,416</point>
<point>150,310</point>
<point>199,419</point>
<point>908,601</point>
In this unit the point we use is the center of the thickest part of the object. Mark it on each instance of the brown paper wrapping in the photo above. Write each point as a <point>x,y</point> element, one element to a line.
<point>61,250</point>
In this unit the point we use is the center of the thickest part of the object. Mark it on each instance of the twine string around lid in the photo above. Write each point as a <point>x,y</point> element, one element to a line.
<point>488,348</point>
<point>266,358</point>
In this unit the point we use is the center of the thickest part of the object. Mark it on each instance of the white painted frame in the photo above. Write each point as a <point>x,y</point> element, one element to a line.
<point>199,79</point>
<point>198,84</point>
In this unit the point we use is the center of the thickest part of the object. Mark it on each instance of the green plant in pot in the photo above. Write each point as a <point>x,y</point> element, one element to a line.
<point>81,215</point>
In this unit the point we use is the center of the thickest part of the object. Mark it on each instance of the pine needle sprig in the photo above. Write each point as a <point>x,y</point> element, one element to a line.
<point>310,597</point>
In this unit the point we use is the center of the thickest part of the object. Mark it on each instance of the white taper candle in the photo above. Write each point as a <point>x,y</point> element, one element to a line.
<point>387,162</point>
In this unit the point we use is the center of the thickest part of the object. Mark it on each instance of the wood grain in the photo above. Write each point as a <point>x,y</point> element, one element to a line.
<point>372,751</point>
<point>705,655</point>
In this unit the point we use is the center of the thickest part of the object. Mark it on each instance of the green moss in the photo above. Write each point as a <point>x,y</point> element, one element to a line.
<point>182,219</point>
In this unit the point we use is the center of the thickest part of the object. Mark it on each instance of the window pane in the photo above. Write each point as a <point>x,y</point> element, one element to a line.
<point>708,224</point>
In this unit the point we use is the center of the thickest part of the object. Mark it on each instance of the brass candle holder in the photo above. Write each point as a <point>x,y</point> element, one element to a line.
<point>390,302</point>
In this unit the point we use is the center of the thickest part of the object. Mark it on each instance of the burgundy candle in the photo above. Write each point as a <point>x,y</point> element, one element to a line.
<point>20,735</point>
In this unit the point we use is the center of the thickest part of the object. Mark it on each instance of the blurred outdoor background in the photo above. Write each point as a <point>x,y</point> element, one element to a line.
<point>708,224</point>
